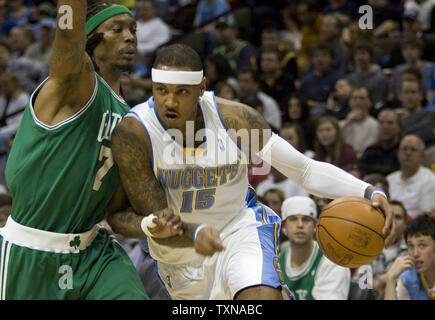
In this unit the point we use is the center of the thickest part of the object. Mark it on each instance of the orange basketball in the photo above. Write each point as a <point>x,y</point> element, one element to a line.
<point>349,231</point>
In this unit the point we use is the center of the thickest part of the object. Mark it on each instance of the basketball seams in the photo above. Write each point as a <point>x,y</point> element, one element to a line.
<point>353,201</point>
<point>352,221</point>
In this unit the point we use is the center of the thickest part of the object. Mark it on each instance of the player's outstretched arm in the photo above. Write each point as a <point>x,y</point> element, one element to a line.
<point>71,73</point>
<point>318,178</point>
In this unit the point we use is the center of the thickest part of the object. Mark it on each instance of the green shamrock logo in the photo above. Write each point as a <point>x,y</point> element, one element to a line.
<point>75,243</point>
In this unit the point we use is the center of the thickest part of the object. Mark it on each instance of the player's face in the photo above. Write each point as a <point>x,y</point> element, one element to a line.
<point>177,103</point>
<point>422,249</point>
<point>119,46</point>
<point>300,229</point>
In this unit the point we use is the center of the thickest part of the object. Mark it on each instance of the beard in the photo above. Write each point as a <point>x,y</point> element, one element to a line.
<point>129,67</point>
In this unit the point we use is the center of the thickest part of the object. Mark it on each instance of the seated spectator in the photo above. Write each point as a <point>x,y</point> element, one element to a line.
<point>330,32</point>
<point>293,134</point>
<point>248,82</point>
<point>296,110</point>
<point>329,145</point>
<point>274,81</point>
<point>316,85</point>
<point>381,157</point>
<point>424,9</point>
<point>217,69</point>
<point>239,53</point>
<point>310,18</point>
<point>413,184</point>
<point>384,17</point>
<point>429,153</point>
<point>360,129</point>
<point>368,73</point>
<point>270,37</point>
<point>20,39</point>
<point>412,277</point>
<point>276,180</point>
<point>385,259</point>
<point>13,101</point>
<point>307,272</point>
<point>415,120</point>
<point>29,72</point>
<point>412,50</point>
<point>338,100</point>
<point>412,27</point>
<point>17,15</point>
<point>225,90</point>
<point>40,51</point>
<point>273,198</point>
<point>152,31</point>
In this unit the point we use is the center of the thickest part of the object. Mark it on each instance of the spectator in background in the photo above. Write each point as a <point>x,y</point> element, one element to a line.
<point>385,259</point>
<point>225,90</point>
<point>40,51</point>
<point>254,102</point>
<point>412,277</point>
<point>276,180</point>
<point>20,39</point>
<point>316,85</point>
<point>248,82</point>
<point>411,27</point>
<point>360,129</point>
<point>412,50</point>
<point>296,110</point>
<point>330,32</point>
<point>307,272</point>
<point>329,144</point>
<point>338,100</point>
<point>13,100</point>
<point>152,31</point>
<point>424,9</point>
<point>379,181</point>
<point>413,184</point>
<point>218,69</point>
<point>270,37</point>
<point>207,10</point>
<point>239,53</point>
<point>310,18</point>
<point>368,73</point>
<point>384,17</point>
<point>381,157</point>
<point>273,198</point>
<point>17,15</point>
<point>415,119</point>
<point>274,82</point>
<point>293,134</point>
<point>30,73</point>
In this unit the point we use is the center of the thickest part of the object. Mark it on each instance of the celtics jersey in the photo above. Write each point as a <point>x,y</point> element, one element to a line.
<point>62,177</point>
<point>302,285</point>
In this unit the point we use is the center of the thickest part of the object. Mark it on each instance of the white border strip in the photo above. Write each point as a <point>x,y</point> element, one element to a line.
<point>5,274</point>
<point>177,77</point>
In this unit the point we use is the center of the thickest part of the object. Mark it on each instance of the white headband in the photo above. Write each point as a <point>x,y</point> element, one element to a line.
<point>176,77</point>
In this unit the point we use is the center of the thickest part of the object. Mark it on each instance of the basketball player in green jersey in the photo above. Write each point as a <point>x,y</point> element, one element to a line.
<point>60,172</point>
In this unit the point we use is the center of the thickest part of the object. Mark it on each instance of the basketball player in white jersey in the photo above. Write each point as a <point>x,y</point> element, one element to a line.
<point>184,151</point>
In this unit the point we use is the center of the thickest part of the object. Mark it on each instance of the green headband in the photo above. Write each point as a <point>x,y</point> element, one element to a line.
<point>105,14</point>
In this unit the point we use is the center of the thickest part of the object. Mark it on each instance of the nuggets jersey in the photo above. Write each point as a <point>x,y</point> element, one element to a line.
<point>208,184</point>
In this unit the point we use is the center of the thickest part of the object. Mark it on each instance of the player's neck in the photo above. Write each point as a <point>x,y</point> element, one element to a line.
<point>300,253</point>
<point>112,77</point>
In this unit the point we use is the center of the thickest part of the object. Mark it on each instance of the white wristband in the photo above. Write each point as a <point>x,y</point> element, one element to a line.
<point>197,230</point>
<point>147,222</point>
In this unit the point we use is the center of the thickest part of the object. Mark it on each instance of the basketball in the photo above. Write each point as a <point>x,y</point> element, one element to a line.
<point>349,231</point>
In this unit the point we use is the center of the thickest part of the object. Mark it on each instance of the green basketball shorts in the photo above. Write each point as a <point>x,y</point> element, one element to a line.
<point>37,264</point>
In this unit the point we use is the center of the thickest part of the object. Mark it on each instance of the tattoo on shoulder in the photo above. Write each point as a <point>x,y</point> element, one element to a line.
<point>254,119</point>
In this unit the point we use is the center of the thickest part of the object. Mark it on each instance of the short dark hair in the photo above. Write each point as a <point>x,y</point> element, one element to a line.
<point>323,46</point>
<point>254,74</point>
<point>400,204</point>
<point>363,45</point>
<point>178,55</point>
<point>423,224</point>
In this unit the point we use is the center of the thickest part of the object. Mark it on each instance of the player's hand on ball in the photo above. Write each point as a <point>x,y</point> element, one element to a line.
<point>165,224</point>
<point>399,265</point>
<point>378,201</point>
<point>208,242</point>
